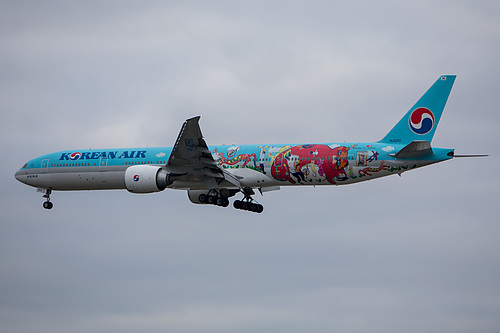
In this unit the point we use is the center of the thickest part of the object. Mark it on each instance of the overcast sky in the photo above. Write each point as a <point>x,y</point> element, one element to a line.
<point>417,253</point>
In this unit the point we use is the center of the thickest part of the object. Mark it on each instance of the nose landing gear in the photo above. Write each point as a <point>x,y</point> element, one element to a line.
<point>47,204</point>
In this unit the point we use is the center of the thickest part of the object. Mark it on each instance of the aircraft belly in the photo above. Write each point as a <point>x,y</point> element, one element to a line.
<point>379,169</point>
<point>252,178</point>
<point>71,181</point>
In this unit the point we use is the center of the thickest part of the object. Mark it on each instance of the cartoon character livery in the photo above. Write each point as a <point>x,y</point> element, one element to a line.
<point>213,174</point>
<point>310,164</point>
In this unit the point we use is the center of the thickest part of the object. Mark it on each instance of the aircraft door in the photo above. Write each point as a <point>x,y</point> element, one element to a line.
<point>45,166</point>
<point>103,164</point>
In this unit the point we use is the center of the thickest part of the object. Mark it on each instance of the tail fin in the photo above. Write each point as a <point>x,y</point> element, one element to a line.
<point>419,124</point>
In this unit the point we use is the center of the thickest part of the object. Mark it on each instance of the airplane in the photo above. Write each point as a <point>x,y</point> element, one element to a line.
<point>213,174</point>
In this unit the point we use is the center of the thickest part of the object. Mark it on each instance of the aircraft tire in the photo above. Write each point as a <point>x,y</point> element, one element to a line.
<point>257,208</point>
<point>223,202</point>
<point>237,204</point>
<point>203,198</point>
<point>248,206</point>
<point>48,205</point>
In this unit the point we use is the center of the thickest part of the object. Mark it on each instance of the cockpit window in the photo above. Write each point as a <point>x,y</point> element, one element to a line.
<point>25,166</point>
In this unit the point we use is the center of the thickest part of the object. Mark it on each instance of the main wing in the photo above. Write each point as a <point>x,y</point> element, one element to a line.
<point>191,165</point>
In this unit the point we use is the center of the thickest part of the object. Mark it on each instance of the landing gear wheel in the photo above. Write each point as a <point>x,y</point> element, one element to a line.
<point>256,208</point>
<point>260,209</point>
<point>203,198</point>
<point>248,206</point>
<point>223,202</point>
<point>212,200</point>
<point>48,205</point>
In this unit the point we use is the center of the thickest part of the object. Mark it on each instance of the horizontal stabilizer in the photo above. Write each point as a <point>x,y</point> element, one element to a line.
<point>414,149</point>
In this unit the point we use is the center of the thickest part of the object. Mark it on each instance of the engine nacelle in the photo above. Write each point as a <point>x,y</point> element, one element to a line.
<point>146,179</point>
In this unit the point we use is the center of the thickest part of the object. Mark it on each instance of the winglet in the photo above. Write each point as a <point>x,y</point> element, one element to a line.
<point>420,122</point>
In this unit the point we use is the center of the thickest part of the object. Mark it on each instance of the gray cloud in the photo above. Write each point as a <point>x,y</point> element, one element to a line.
<point>416,253</point>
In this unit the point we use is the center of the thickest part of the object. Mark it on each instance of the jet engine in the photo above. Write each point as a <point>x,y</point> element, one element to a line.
<point>146,179</point>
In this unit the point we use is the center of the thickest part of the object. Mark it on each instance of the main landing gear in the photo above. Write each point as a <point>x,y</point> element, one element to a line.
<point>247,202</point>
<point>47,204</point>
<point>214,199</point>
<point>248,205</point>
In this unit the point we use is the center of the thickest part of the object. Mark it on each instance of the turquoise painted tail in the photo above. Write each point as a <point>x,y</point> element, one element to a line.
<point>419,124</point>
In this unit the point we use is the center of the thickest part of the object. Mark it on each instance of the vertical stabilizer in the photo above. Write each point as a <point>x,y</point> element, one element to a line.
<point>419,124</point>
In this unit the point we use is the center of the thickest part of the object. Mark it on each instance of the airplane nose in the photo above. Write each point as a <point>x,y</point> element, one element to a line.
<point>18,175</point>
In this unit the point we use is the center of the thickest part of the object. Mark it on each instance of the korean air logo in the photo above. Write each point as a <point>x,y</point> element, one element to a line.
<point>421,121</point>
<point>75,156</point>
<point>136,178</point>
